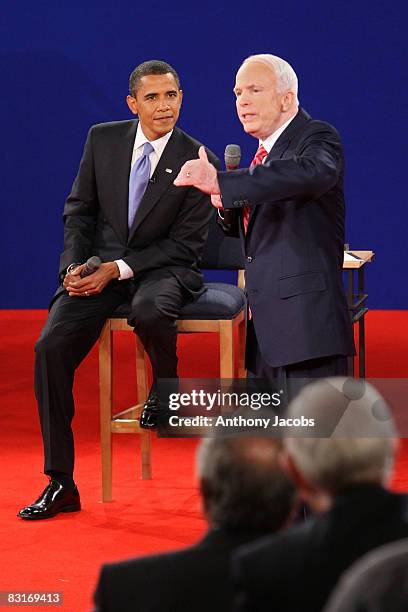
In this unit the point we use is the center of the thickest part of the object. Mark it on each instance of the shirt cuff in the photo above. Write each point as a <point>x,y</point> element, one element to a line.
<point>125,271</point>
<point>221,214</point>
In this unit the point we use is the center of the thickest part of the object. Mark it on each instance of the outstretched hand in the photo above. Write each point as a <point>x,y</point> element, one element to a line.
<point>199,173</point>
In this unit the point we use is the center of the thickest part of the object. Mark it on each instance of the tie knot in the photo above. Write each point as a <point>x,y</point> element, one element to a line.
<point>147,149</point>
<point>259,156</point>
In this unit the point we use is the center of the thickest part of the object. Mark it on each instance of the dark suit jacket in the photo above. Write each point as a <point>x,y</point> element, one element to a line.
<point>294,244</point>
<point>171,223</point>
<point>297,570</point>
<point>191,580</point>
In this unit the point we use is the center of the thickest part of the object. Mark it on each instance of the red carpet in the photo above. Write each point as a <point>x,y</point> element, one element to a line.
<point>65,553</point>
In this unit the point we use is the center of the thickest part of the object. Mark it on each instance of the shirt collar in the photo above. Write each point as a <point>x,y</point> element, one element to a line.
<point>270,141</point>
<point>158,145</point>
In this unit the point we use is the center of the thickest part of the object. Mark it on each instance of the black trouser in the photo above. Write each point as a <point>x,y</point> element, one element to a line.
<point>72,328</point>
<point>293,377</point>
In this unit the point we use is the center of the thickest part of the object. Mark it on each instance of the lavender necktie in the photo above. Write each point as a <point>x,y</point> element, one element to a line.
<point>139,177</point>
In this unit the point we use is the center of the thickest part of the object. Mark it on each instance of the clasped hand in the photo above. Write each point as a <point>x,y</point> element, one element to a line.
<point>92,284</point>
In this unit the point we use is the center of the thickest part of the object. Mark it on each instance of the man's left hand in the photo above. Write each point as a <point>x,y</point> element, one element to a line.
<point>199,173</point>
<point>94,283</point>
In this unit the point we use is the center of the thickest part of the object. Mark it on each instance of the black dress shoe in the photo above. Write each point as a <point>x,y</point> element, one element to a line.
<point>55,498</point>
<point>154,413</point>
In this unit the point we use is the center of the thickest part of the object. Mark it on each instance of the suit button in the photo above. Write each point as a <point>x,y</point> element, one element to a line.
<point>249,259</point>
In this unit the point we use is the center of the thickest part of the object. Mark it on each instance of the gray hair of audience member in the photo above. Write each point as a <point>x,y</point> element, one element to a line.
<point>363,442</point>
<point>285,75</point>
<point>242,483</point>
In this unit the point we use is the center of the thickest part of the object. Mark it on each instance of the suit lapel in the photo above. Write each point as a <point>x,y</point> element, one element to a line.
<point>280,147</point>
<point>121,157</point>
<point>162,178</point>
<point>287,135</point>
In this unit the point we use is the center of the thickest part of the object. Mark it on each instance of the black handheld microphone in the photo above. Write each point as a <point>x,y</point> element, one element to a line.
<point>91,266</point>
<point>232,157</point>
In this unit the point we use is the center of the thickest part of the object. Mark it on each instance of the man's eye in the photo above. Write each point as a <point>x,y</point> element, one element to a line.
<point>150,97</point>
<point>172,94</point>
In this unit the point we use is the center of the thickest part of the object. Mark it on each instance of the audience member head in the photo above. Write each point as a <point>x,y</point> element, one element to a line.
<point>361,445</point>
<point>243,485</point>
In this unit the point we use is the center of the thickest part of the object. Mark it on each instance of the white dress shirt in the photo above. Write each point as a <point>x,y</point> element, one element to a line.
<point>158,145</point>
<point>270,141</point>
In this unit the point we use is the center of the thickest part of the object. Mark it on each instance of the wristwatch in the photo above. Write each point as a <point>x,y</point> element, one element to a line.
<point>72,267</point>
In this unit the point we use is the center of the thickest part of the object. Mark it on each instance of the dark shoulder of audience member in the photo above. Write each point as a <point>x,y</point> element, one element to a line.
<point>245,495</point>
<point>378,582</point>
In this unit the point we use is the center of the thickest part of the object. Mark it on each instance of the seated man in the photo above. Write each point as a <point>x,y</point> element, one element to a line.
<point>344,478</point>
<point>124,209</point>
<point>245,494</point>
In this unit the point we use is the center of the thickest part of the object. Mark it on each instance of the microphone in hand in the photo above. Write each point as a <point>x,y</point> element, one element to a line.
<point>91,266</point>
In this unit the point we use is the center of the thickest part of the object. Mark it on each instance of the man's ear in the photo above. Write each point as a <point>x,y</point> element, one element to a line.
<point>132,104</point>
<point>287,101</point>
<point>204,488</point>
<point>292,470</point>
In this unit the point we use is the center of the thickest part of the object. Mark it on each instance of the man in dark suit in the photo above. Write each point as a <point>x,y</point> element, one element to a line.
<point>123,208</point>
<point>342,473</point>
<point>245,494</point>
<point>289,209</point>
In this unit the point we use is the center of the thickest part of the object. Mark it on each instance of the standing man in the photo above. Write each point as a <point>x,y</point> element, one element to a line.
<point>289,209</point>
<point>123,208</point>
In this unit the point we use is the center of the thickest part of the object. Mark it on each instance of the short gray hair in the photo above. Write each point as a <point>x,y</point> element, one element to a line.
<point>285,75</point>
<point>242,483</point>
<point>362,445</point>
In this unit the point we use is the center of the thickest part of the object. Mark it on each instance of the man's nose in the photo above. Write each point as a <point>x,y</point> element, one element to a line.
<point>243,100</point>
<point>163,104</point>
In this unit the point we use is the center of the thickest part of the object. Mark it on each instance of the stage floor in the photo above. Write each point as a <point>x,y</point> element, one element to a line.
<point>65,553</point>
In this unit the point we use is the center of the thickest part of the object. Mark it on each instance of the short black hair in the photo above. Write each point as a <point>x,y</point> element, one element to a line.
<point>147,68</point>
<point>243,485</point>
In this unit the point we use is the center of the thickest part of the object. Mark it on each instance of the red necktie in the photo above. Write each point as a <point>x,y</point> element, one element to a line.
<point>258,159</point>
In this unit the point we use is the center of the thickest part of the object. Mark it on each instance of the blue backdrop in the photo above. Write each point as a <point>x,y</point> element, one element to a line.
<point>65,66</point>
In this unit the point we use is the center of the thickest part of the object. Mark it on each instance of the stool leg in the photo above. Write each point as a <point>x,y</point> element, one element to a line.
<point>226,355</point>
<point>145,436</point>
<point>226,349</point>
<point>105,406</point>
<point>141,372</point>
<point>145,447</point>
<point>241,348</point>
